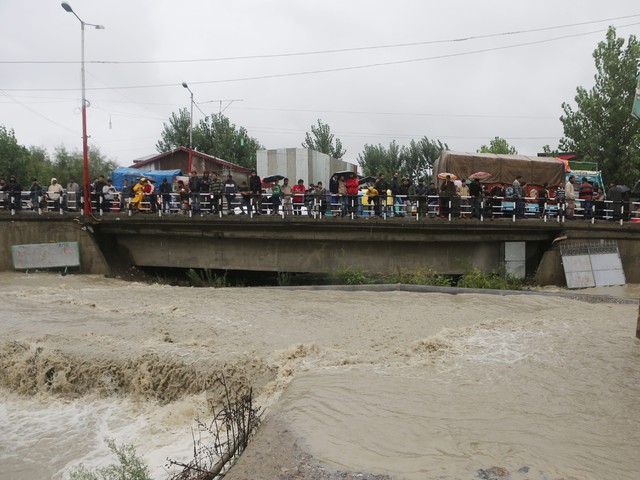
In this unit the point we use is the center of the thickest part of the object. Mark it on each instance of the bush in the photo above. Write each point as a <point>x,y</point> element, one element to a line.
<point>420,276</point>
<point>206,278</point>
<point>350,276</point>
<point>497,280</point>
<point>129,466</point>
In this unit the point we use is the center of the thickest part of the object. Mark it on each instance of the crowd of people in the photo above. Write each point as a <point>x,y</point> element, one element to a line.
<point>346,195</point>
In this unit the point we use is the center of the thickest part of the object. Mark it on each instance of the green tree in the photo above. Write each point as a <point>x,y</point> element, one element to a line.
<point>13,156</point>
<point>601,128</point>
<point>217,136</point>
<point>499,146</point>
<point>38,165</point>
<point>377,159</point>
<point>322,140</point>
<point>176,132</point>
<point>417,159</point>
<point>66,165</point>
<point>214,135</point>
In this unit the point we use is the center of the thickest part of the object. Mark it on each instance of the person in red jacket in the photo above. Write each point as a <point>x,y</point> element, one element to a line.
<point>585,193</point>
<point>298,197</point>
<point>352,192</point>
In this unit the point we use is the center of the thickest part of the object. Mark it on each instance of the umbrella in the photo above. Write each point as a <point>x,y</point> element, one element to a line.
<point>365,180</point>
<point>621,188</point>
<point>345,174</point>
<point>444,175</point>
<point>457,183</point>
<point>272,178</point>
<point>479,175</point>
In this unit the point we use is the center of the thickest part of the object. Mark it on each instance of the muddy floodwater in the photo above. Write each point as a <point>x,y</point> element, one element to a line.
<point>414,385</point>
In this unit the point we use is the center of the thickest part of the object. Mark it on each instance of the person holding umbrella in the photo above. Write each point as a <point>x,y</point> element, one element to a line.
<point>275,197</point>
<point>475,192</point>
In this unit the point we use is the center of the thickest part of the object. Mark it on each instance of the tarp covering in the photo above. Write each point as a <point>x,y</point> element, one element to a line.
<point>120,174</point>
<point>503,168</point>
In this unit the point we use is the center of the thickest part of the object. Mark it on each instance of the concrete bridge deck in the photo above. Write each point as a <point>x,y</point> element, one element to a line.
<point>305,244</point>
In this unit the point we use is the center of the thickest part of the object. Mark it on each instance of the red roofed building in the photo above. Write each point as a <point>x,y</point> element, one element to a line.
<point>178,159</point>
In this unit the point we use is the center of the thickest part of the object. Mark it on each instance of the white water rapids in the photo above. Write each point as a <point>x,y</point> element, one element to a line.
<point>415,385</point>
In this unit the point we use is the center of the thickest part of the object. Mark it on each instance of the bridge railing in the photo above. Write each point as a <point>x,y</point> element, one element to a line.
<point>351,206</point>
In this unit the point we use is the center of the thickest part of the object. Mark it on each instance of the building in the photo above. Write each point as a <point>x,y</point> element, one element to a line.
<point>304,163</point>
<point>178,159</point>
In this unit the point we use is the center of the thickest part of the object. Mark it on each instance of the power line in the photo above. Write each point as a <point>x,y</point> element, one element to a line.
<point>322,52</point>
<point>329,70</point>
<point>38,113</point>
<point>408,114</point>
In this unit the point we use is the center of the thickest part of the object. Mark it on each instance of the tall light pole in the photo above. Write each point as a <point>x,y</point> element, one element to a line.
<point>85,148</point>
<point>184,84</point>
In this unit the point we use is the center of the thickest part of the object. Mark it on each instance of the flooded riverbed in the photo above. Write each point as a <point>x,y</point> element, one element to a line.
<point>416,385</point>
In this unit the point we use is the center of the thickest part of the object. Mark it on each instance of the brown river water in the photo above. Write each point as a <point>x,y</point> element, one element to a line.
<point>414,385</point>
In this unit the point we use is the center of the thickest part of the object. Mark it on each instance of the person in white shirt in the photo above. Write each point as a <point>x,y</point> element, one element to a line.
<point>54,192</point>
<point>570,197</point>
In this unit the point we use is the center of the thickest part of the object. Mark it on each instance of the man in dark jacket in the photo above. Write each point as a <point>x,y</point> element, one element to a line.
<point>194,188</point>
<point>215,189</point>
<point>165,191</point>
<point>381,186</point>
<point>475,192</point>
<point>255,187</point>
<point>15,191</point>
<point>333,190</point>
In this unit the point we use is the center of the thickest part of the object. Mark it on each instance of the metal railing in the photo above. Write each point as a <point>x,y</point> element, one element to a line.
<point>408,207</point>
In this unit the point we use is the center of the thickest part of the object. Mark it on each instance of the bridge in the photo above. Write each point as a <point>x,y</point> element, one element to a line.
<point>305,244</point>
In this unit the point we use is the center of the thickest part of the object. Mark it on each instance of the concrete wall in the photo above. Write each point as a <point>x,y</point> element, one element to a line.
<point>296,163</point>
<point>20,232</point>
<point>309,255</point>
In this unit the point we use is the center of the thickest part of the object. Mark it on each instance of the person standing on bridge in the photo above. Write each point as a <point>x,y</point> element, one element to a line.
<point>570,197</point>
<point>194,188</point>
<point>518,196</point>
<point>73,190</point>
<point>381,186</point>
<point>285,192</point>
<point>585,193</point>
<point>298,197</point>
<point>230,189</point>
<point>255,188</point>
<point>475,191</point>
<point>215,189</point>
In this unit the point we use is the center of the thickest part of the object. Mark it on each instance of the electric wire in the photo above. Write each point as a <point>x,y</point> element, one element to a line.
<point>328,70</point>
<point>328,51</point>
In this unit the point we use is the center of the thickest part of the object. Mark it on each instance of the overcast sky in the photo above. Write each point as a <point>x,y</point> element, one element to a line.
<point>422,83</point>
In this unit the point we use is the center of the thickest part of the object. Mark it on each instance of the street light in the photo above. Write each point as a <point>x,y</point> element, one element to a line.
<point>85,148</point>
<point>184,84</point>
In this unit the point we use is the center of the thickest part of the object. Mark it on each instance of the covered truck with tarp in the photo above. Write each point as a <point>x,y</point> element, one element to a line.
<point>501,168</point>
<point>120,174</point>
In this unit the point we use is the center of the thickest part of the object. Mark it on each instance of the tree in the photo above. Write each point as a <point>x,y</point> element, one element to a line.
<point>601,128</point>
<point>322,140</point>
<point>12,155</point>
<point>176,133</point>
<point>377,159</point>
<point>66,165</point>
<point>499,146</point>
<point>417,159</point>
<point>217,136</point>
<point>214,135</point>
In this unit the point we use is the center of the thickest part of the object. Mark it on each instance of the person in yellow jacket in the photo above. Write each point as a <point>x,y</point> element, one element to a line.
<point>138,193</point>
<point>369,197</point>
